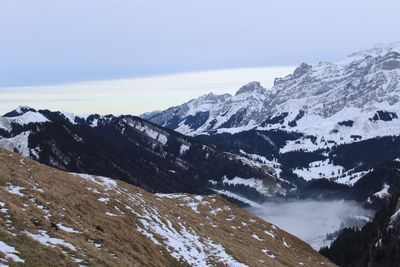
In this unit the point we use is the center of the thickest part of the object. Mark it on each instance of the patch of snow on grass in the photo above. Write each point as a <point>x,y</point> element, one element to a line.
<point>270,233</point>
<point>67,229</point>
<point>43,238</point>
<point>182,243</point>
<point>256,237</point>
<point>104,200</point>
<point>171,196</point>
<point>2,205</point>
<point>10,252</point>
<point>189,201</point>
<point>268,253</point>
<point>105,182</point>
<point>284,243</point>
<point>15,190</point>
<point>110,214</point>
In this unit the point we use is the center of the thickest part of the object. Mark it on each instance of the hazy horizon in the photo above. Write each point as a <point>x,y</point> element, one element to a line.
<point>137,95</point>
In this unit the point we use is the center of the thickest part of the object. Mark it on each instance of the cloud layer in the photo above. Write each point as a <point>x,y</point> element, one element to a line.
<point>135,96</point>
<point>310,220</point>
<point>47,41</point>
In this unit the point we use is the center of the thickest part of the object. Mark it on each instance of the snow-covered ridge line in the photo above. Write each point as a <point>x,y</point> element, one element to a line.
<point>22,119</point>
<point>314,100</point>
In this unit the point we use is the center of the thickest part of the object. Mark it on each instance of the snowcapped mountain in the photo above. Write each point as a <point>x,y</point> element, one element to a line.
<point>53,218</point>
<point>360,93</point>
<point>141,153</point>
<point>312,123</point>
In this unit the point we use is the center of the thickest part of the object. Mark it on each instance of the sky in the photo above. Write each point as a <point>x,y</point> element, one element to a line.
<point>46,45</point>
<point>135,95</point>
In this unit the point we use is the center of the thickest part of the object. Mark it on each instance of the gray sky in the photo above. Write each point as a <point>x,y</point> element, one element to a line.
<point>45,41</point>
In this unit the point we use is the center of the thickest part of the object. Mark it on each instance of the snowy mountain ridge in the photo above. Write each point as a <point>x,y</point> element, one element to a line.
<point>323,112</point>
<point>321,100</point>
<point>136,150</point>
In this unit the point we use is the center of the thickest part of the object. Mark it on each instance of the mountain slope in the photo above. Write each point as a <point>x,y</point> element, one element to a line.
<point>53,218</point>
<point>134,150</point>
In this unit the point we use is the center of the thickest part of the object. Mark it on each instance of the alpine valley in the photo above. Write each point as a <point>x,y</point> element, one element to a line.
<point>329,131</point>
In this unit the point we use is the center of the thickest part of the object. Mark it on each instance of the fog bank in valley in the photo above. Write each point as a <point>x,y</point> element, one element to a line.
<point>310,220</point>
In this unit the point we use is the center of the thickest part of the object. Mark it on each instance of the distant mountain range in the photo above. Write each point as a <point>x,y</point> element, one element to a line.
<point>358,95</point>
<point>329,122</point>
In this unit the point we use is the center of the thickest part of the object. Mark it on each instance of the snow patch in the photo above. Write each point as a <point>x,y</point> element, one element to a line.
<point>183,243</point>
<point>67,229</point>
<point>183,149</point>
<point>10,252</point>
<point>43,238</point>
<point>18,143</point>
<point>15,190</point>
<point>383,193</point>
<point>104,182</point>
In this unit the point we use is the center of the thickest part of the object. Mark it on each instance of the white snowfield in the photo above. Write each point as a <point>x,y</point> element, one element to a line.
<point>325,169</point>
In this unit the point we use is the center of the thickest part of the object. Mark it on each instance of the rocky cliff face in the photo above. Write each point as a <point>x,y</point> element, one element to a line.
<point>54,218</point>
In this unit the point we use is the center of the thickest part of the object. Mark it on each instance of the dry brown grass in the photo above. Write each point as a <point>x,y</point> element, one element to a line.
<point>74,202</point>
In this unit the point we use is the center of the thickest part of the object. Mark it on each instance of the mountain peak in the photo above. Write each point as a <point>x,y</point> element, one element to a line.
<point>301,70</point>
<point>377,51</point>
<point>19,111</point>
<point>251,87</point>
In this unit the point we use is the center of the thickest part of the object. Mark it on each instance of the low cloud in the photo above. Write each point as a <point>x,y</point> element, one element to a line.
<point>310,220</point>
